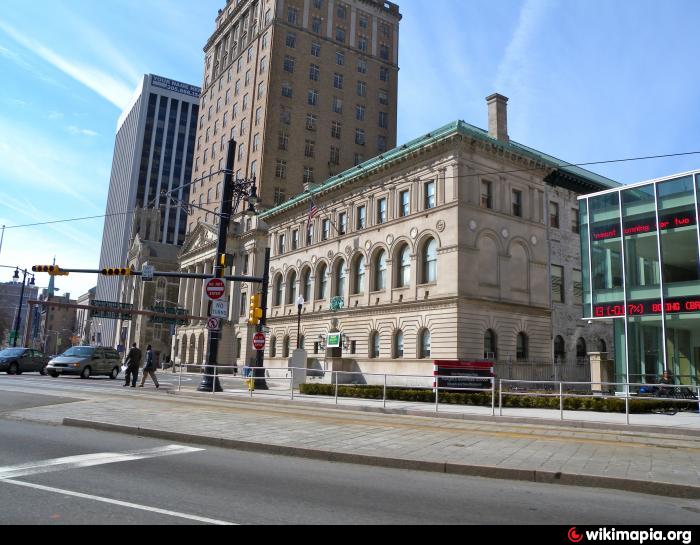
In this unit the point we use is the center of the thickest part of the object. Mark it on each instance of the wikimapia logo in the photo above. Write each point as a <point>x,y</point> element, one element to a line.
<point>636,536</point>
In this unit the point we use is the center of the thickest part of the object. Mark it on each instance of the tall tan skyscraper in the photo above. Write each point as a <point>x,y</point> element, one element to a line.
<point>307,88</point>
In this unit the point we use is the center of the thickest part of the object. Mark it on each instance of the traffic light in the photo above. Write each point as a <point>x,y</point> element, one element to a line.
<point>256,312</point>
<point>53,270</point>
<point>117,272</point>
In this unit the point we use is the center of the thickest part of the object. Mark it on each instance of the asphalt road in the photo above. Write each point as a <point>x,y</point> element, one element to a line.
<point>56,475</point>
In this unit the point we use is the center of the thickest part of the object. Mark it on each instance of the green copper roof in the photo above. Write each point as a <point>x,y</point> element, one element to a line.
<point>580,176</point>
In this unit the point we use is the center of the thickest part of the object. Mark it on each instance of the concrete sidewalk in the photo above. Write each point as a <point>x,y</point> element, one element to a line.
<point>632,459</point>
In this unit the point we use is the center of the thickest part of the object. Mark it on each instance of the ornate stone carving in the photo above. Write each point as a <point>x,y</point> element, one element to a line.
<point>505,233</point>
<point>534,240</point>
<point>368,245</point>
<point>298,263</point>
<point>348,251</point>
<point>441,226</point>
<point>313,260</point>
<point>389,240</point>
<point>414,233</point>
<point>472,225</point>
<point>330,254</point>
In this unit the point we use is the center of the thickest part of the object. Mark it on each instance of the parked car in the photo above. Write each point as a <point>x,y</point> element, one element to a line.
<point>86,361</point>
<point>15,361</point>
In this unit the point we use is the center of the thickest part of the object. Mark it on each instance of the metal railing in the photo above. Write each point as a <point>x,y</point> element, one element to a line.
<point>497,390</point>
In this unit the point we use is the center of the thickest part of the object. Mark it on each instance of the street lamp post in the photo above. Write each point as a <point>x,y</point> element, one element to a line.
<point>300,306</point>
<point>18,319</point>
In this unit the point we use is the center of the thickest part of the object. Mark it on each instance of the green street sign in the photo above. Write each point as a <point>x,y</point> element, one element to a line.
<point>334,340</point>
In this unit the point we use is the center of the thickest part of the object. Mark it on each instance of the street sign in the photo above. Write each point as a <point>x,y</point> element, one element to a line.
<point>115,315</point>
<point>334,340</point>
<point>215,289</point>
<point>259,342</point>
<point>219,309</point>
<point>147,273</point>
<point>213,324</point>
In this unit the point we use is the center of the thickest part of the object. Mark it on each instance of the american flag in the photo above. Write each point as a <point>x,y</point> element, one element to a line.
<point>313,211</point>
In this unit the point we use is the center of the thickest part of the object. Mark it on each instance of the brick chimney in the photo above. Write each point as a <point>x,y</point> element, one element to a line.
<point>498,117</point>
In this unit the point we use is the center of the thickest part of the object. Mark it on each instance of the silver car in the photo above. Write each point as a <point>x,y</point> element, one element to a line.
<point>86,361</point>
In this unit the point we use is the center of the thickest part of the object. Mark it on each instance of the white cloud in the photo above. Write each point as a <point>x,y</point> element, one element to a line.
<point>55,115</point>
<point>40,163</point>
<point>84,132</point>
<point>110,88</point>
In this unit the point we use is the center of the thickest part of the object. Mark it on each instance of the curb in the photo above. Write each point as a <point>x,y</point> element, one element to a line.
<point>577,424</point>
<point>490,472</point>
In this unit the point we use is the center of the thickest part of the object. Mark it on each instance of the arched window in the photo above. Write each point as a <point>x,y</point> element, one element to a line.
<point>380,271</point>
<point>278,290</point>
<point>424,340</point>
<point>273,347</point>
<point>322,281</point>
<point>340,278</point>
<point>490,345</point>
<point>581,351</point>
<point>559,349</point>
<point>285,347</point>
<point>359,276</point>
<point>306,284</point>
<point>521,348</point>
<point>403,279</point>
<point>602,347</point>
<point>398,344</point>
<point>292,288</point>
<point>374,345</point>
<point>430,261</point>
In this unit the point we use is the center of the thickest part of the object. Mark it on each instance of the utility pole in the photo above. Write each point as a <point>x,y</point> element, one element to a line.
<point>233,193</point>
<point>209,382</point>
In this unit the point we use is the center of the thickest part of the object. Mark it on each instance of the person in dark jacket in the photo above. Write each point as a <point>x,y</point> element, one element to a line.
<point>133,362</point>
<point>149,368</point>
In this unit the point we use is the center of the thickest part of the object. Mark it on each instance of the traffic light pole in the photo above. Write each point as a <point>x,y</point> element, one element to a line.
<point>259,371</point>
<point>210,382</point>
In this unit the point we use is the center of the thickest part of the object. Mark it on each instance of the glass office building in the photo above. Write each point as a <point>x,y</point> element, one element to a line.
<point>641,269</point>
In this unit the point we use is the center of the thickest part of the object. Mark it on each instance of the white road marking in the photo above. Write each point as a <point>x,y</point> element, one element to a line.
<point>90,460</point>
<point>130,505</point>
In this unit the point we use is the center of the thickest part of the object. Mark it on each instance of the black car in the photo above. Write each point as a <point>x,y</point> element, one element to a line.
<point>15,361</point>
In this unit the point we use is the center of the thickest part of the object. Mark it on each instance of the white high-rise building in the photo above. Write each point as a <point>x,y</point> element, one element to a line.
<point>152,155</point>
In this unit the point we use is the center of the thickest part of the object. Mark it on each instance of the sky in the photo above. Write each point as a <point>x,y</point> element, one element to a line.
<point>588,80</point>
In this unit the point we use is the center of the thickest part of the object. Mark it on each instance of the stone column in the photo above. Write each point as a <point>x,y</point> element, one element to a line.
<point>204,301</point>
<point>602,370</point>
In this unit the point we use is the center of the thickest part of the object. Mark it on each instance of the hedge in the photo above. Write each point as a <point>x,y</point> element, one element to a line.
<point>483,399</point>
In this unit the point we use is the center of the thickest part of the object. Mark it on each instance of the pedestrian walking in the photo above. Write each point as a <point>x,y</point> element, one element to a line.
<point>149,368</point>
<point>132,362</point>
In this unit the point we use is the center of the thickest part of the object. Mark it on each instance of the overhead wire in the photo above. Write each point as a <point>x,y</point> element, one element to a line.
<point>461,176</point>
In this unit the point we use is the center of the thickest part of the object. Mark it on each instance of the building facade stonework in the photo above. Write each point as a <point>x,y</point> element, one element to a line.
<point>447,248</point>
<point>307,88</point>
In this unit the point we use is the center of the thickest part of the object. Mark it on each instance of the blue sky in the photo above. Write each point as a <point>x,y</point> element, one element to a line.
<point>588,80</point>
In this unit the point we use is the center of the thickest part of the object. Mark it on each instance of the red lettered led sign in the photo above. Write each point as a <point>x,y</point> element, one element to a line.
<point>638,227</point>
<point>683,305</point>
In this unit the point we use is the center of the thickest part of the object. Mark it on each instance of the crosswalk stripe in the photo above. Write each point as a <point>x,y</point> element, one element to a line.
<point>120,503</point>
<point>90,460</point>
